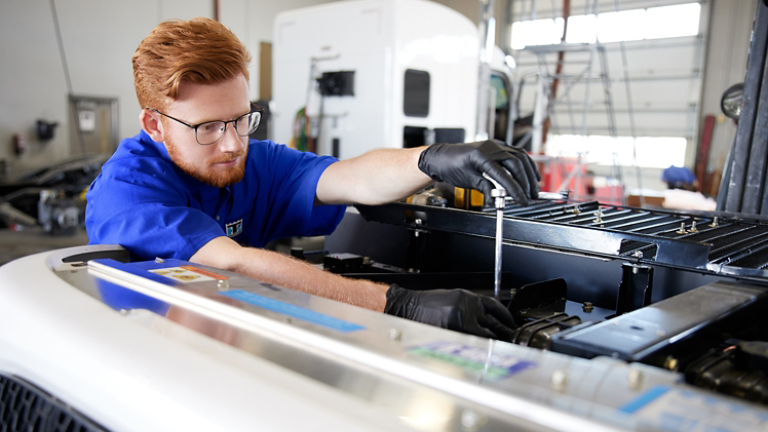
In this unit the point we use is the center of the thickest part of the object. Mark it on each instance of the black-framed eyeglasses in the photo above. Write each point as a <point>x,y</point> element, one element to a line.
<point>210,132</point>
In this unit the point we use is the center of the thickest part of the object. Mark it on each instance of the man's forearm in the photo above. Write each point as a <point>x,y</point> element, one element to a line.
<point>377,177</point>
<point>291,273</point>
<point>298,275</point>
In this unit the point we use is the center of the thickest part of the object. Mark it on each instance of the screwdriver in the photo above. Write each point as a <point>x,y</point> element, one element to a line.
<point>498,194</point>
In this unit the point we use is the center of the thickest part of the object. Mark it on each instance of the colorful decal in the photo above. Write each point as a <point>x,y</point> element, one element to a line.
<point>677,410</point>
<point>184,274</point>
<point>204,272</point>
<point>474,359</point>
<point>293,311</point>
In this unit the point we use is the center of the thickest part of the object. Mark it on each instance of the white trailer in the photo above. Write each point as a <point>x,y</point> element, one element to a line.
<point>393,73</point>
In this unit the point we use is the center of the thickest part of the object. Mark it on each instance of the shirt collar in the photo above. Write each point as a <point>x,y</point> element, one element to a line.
<point>157,146</point>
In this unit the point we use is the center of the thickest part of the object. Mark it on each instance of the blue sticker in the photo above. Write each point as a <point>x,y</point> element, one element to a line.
<point>293,311</point>
<point>474,359</point>
<point>682,410</point>
<point>644,399</point>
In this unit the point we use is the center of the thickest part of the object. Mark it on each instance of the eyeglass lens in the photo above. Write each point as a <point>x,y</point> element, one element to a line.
<point>209,133</point>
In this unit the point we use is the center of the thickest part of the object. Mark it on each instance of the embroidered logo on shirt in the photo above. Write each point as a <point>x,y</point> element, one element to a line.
<point>234,228</point>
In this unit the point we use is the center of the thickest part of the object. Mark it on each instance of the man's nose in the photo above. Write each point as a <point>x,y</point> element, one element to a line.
<point>231,142</point>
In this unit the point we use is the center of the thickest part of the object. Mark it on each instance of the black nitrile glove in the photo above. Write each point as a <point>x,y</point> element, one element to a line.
<point>454,309</point>
<point>463,165</point>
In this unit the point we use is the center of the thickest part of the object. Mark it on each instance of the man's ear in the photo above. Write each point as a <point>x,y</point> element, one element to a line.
<point>152,126</point>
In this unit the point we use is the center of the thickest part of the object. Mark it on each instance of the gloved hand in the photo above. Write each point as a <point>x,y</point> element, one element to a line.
<point>454,309</point>
<point>463,165</point>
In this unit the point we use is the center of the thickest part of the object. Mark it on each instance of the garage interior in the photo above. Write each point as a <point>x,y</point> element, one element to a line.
<point>649,95</point>
<point>647,119</point>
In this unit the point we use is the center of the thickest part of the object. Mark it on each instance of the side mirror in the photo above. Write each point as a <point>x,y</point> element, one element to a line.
<point>732,101</point>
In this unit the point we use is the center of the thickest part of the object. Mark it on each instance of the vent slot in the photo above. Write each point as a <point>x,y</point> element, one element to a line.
<point>24,407</point>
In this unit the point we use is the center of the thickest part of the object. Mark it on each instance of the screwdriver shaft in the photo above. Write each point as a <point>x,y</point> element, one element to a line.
<point>497,271</point>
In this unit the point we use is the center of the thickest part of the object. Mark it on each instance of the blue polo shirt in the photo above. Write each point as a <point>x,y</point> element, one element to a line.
<point>145,203</point>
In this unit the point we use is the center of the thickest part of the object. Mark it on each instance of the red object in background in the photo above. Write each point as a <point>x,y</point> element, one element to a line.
<point>612,195</point>
<point>555,171</point>
<point>19,144</point>
<point>702,156</point>
<point>581,187</point>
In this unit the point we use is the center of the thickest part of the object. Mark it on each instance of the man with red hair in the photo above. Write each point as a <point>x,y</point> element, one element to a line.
<point>192,186</point>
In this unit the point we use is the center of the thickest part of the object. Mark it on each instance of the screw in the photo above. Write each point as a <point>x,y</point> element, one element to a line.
<point>714,222</point>
<point>159,260</point>
<point>638,254</point>
<point>587,307</point>
<point>682,229</point>
<point>395,334</point>
<point>418,221</point>
<point>599,215</point>
<point>693,227</point>
<point>670,363</point>
<point>559,380</point>
<point>576,210</point>
<point>472,420</point>
<point>366,260</point>
<point>223,283</point>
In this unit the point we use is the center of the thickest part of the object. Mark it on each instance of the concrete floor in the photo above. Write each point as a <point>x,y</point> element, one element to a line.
<point>17,244</point>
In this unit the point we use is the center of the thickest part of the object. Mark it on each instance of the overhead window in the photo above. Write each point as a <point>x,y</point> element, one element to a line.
<point>673,21</point>
<point>634,24</point>
<point>652,152</point>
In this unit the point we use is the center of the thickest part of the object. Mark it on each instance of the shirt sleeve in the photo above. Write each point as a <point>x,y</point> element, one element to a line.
<point>293,188</point>
<point>141,204</point>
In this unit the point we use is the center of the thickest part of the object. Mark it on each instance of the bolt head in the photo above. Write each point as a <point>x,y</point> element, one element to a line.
<point>670,363</point>
<point>559,380</point>
<point>635,378</point>
<point>472,420</point>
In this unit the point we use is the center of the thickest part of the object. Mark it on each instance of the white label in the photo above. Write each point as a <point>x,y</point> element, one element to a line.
<point>87,121</point>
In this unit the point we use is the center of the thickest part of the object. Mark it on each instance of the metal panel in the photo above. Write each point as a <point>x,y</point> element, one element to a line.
<point>754,188</point>
<point>588,233</point>
<point>694,241</point>
<point>648,333</point>
<point>424,376</point>
<point>390,363</point>
<point>744,133</point>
